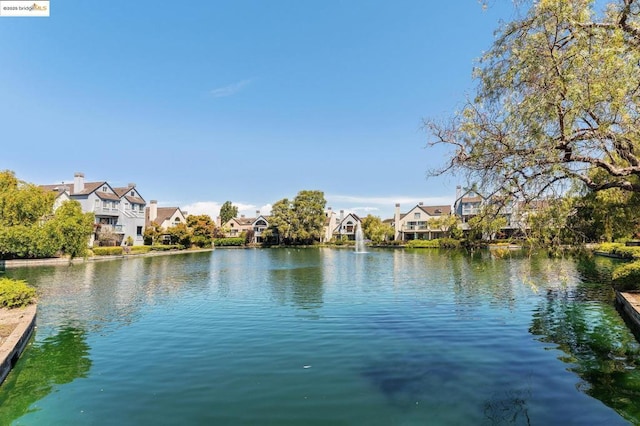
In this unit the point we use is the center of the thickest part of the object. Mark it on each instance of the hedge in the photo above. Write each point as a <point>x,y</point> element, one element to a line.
<point>626,277</point>
<point>139,249</point>
<point>221,242</point>
<point>107,251</point>
<point>15,293</point>
<point>166,247</point>
<point>423,244</point>
<point>625,252</point>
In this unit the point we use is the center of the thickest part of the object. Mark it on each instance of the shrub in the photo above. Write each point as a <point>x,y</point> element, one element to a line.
<point>449,243</point>
<point>222,242</point>
<point>139,249</point>
<point>15,293</point>
<point>166,247</point>
<point>107,251</point>
<point>627,277</point>
<point>423,244</point>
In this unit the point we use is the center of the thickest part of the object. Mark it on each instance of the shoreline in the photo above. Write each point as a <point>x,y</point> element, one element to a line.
<point>60,261</point>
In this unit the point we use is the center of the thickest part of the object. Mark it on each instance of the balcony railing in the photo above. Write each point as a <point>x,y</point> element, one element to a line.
<point>117,229</point>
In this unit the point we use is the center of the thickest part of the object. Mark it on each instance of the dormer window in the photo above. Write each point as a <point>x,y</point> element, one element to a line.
<point>438,211</point>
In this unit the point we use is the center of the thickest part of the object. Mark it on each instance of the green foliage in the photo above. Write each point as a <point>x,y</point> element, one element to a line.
<point>226,242</point>
<point>22,203</point>
<point>202,229</point>
<point>620,250</point>
<point>152,233</point>
<point>166,247</point>
<point>627,277</point>
<point>449,243</point>
<point>376,230</point>
<point>108,251</point>
<point>486,224</point>
<point>139,249</point>
<point>609,215</point>
<point>448,224</point>
<point>227,212</point>
<point>179,234</point>
<point>15,293</point>
<point>423,244</point>
<point>557,95</point>
<point>300,221</point>
<point>73,228</point>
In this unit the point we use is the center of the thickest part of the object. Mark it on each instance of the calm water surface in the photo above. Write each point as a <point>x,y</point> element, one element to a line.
<point>325,337</point>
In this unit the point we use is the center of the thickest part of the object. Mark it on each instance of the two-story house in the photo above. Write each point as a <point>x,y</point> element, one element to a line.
<point>414,225</point>
<point>346,226</point>
<point>234,227</point>
<point>118,212</point>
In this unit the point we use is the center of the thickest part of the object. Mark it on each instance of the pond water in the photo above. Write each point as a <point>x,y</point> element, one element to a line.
<point>325,337</point>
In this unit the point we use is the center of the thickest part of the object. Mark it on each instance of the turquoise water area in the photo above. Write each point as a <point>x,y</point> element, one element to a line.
<point>325,337</point>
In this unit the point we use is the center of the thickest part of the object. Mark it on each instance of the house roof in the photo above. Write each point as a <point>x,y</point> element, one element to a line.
<point>134,200</point>
<point>430,210</point>
<point>164,213</point>
<point>107,196</point>
<point>475,199</point>
<point>124,192</point>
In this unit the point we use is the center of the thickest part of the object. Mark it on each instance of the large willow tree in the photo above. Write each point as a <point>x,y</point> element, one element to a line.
<point>557,102</point>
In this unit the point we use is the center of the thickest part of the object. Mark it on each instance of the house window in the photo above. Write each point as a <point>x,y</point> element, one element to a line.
<point>126,206</point>
<point>133,194</point>
<point>104,188</point>
<point>139,230</point>
<point>141,207</point>
<point>416,216</point>
<point>105,204</point>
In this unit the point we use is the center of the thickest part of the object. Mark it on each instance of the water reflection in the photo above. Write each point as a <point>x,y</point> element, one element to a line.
<point>111,293</point>
<point>297,279</point>
<point>584,324</point>
<point>57,360</point>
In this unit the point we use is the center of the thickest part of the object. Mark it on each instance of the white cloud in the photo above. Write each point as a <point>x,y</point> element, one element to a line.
<point>212,208</point>
<point>230,89</point>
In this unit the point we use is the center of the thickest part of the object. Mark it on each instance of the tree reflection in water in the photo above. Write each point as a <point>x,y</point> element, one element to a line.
<point>598,345</point>
<point>55,361</point>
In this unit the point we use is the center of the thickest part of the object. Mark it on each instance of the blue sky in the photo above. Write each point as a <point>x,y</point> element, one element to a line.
<point>247,101</point>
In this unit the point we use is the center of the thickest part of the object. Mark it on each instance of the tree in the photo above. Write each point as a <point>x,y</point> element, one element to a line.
<point>22,203</point>
<point>152,233</point>
<point>557,99</point>
<point>202,229</point>
<point>282,220</point>
<point>227,212</point>
<point>179,234</point>
<point>301,220</point>
<point>308,207</point>
<point>448,224</point>
<point>376,230</point>
<point>73,228</point>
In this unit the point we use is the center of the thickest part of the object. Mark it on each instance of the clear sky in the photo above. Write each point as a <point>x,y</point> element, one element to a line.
<point>242,100</point>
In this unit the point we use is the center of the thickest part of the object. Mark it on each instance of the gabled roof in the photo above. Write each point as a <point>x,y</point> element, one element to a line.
<point>124,192</point>
<point>164,213</point>
<point>339,224</point>
<point>430,210</point>
<point>107,196</point>
<point>59,189</point>
<point>134,200</point>
<point>265,218</point>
